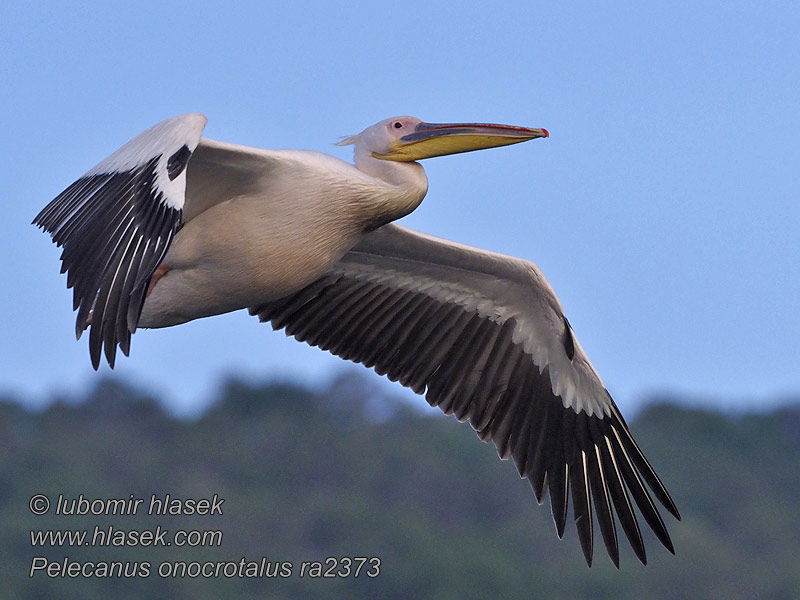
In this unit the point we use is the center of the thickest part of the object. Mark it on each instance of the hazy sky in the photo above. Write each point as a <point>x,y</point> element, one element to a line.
<point>663,209</point>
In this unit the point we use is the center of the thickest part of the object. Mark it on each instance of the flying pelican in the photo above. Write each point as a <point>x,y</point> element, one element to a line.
<point>174,227</point>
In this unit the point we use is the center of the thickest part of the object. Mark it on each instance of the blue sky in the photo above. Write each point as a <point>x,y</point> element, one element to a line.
<point>663,209</point>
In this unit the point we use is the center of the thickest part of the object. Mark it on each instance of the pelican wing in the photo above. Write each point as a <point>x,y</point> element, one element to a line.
<point>220,171</point>
<point>485,338</point>
<point>116,224</point>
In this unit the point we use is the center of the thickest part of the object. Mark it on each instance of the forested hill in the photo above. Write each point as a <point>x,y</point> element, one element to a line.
<point>348,474</point>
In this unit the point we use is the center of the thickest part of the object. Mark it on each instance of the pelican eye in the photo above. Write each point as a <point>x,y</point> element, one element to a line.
<point>398,125</point>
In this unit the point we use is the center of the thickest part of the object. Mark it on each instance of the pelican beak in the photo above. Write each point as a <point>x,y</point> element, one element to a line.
<point>436,139</point>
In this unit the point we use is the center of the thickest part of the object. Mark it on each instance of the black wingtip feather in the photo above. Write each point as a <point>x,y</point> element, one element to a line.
<point>602,504</point>
<point>558,488</point>
<point>622,503</point>
<point>582,507</point>
<point>469,366</point>
<point>115,229</point>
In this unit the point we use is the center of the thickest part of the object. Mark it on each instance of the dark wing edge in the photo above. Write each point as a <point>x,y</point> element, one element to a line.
<point>469,366</point>
<point>115,225</point>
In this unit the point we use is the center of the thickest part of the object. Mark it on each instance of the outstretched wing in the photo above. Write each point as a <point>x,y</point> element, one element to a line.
<point>485,338</point>
<point>116,224</point>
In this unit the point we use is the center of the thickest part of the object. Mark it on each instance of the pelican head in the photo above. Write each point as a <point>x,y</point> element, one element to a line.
<point>408,139</point>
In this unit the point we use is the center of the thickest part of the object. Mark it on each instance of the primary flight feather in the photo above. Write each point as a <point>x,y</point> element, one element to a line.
<point>174,227</point>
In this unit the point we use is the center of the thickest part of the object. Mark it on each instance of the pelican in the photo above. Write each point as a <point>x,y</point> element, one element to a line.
<point>174,227</point>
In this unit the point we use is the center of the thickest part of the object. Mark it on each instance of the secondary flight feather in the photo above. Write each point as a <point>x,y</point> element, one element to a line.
<point>174,227</point>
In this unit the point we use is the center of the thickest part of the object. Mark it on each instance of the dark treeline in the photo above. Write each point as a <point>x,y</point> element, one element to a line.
<point>348,473</point>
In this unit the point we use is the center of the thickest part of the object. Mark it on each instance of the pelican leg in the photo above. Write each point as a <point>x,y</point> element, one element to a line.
<point>160,271</point>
